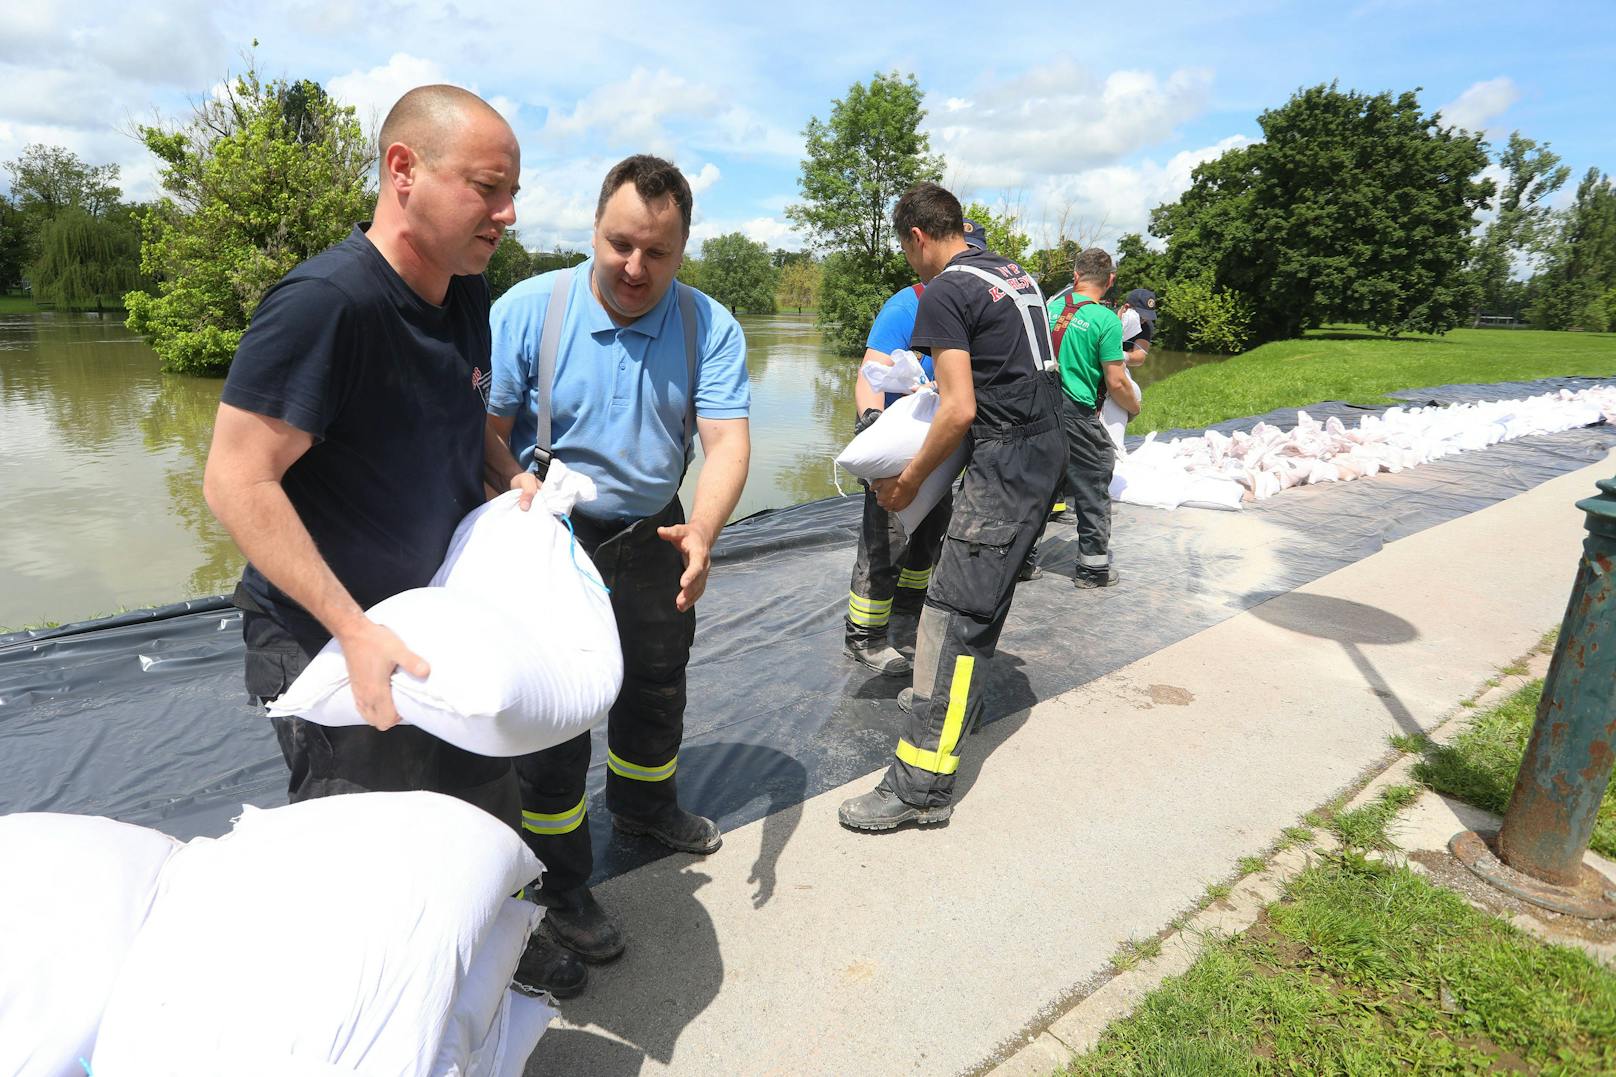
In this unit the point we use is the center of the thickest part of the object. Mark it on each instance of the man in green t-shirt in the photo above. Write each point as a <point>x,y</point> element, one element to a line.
<point>1088,346</point>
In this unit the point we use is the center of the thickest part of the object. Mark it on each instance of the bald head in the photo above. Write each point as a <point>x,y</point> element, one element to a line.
<point>428,117</point>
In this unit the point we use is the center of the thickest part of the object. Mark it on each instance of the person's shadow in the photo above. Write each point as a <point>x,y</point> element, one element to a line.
<point>638,1006</point>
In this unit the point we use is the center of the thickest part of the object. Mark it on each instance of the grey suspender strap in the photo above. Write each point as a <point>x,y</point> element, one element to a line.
<point>550,342</point>
<point>1025,303</point>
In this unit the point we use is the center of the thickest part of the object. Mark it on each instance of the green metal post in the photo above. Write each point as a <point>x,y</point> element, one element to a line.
<point>1568,760</point>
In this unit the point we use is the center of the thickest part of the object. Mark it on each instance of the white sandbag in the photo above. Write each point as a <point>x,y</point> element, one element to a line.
<point>476,1040</point>
<point>903,375</point>
<point>77,889</point>
<point>522,1022</point>
<point>887,445</point>
<point>322,937</point>
<point>517,629</point>
<point>932,490</point>
<point>1114,417</point>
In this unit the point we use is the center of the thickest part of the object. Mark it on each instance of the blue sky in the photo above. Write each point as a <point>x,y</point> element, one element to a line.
<point>1073,119</point>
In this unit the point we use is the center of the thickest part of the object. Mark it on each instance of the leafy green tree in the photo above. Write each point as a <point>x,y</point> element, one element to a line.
<point>799,284</point>
<point>49,180</point>
<point>858,162</point>
<point>1352,208</point>
<point>1198,316</point>
<point>14,244</point>
<point>549,261</point>
<point>1524,225</point>
<point>85,259</point>
<point>263,176</point>
<point>1573,289</point>
<point>691,273</point>
<point>737,272</point>
<point>1001,231</point>
<point>1138,266</point>
<point>509,266</point>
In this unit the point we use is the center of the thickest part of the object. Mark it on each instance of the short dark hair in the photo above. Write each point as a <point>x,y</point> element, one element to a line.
<point>930,208</point>
<point>653,178</point>
<point>1093,264</point>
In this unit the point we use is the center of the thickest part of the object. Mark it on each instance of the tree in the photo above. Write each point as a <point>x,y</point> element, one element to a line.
<point>858,162</point>
<point>1352,208</point>
<point>509,266</point>
<point>737,272</point>
<point>1523,228</point>
<point>83,259</point>
<point>1573,291</point>
<point>262,177</point>
<point>799,284</point>
<point>1001,231</point>
<point>1138,266</point>
<point>548,261</point>
<point>48,180</point>
<point>14,244</point>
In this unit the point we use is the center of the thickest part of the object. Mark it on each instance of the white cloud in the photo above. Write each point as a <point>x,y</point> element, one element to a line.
<point>372,93</point>
<point>1058,118</point>
<point>769,231</point>
<point>1483,102</point>
<point>704,179</point>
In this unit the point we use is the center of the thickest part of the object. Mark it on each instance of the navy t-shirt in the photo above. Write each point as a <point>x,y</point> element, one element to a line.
<point>960,310</point>
<point>391,388</point>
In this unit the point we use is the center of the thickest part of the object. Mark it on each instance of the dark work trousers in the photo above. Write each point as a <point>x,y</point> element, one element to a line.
<point>892,570</point>
<point>1091,457</point>
<point>644,726</point>
<point>1015,461</point>
<point>329,760</point>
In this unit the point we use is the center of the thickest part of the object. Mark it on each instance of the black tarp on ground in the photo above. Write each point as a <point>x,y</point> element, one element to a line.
<point>142,717</point>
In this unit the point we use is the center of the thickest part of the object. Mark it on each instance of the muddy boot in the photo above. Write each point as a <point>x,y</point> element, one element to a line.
<point>676,828</point>
<point>880,809</point>
<point>878,655</point>
<point>548,967</point>
<point>575,919</point>
<point>1086,577</point>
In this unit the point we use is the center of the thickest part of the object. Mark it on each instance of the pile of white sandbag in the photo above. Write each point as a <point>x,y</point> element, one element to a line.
<point>1219,470</point>
<point>516,626</point>
<point>366,933</point>
<point>885,447</point>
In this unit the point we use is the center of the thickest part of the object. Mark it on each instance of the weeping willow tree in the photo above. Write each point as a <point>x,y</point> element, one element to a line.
<point>85,259</point>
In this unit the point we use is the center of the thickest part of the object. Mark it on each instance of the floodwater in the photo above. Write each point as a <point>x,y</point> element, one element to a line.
<point>101,459</point>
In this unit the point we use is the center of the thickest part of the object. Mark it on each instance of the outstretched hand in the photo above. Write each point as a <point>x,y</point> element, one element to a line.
<point>695,547</point>
<point>372,652</point>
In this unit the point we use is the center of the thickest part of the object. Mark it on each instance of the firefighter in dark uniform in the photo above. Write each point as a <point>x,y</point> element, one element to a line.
<point>892,569</point>
<point>982,319</point>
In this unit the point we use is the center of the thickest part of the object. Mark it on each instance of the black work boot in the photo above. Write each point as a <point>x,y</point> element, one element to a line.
<point>880,809</point>
<point>878,655</point>
<point>1029,569</point>
<point>676,828</point>
<point>1086,577</point>
<point>575,919</point>
<point>547,967</point>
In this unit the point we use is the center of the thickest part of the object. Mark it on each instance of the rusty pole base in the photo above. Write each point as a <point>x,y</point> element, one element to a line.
<point>1593,898</point>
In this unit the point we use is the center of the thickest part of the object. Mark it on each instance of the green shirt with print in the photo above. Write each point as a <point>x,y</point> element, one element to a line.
<point>1093,338</point>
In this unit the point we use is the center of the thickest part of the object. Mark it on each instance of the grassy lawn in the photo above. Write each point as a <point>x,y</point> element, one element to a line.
<point>1364,968</point>
<point>1480,766</point>
<point>18,304</point>
<point>1349,363</point>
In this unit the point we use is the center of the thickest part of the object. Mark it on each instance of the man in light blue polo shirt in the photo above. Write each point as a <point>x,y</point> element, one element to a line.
<point>642,365</point>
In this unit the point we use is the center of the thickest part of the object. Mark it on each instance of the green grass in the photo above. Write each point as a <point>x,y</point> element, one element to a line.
<point>18,304</point>
<point>1365,968</point>
<point>1130,953</point>
<point>1349,363</point>
<point>1365,827</point>
<point>1479,767</point>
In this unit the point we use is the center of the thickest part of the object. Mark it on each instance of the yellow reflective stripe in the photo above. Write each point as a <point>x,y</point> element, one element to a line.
<point>874,605</point>
<point>868,612</point>
<point>868,620</point>
<point>932,761</point>
<point>1059,506</point>
<point>943,760</point>
<point>920,579</point>
<point>563,822</point>
<point>624,769</point>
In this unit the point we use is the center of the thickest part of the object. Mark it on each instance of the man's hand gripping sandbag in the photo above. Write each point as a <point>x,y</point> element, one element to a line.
<point>516,626</point>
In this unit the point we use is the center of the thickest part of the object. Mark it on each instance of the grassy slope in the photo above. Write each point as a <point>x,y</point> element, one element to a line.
<point>1344,363</point>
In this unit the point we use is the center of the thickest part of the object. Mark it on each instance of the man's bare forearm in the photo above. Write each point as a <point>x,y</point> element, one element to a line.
<point>499,466</point>
<point>726,460</point>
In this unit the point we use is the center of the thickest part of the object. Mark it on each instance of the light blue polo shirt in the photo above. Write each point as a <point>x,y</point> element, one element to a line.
<point>893,327</point>
<point>617,408</point>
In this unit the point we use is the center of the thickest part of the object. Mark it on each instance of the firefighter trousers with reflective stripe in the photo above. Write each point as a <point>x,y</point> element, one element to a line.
<point>892,569</point>
<point>1014,464</point>
<point>644,726</point>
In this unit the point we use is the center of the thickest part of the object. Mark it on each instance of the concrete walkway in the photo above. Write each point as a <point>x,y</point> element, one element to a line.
<point>1093,818</point>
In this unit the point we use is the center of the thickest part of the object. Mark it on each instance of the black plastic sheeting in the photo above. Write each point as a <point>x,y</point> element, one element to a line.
<point>142,717</point>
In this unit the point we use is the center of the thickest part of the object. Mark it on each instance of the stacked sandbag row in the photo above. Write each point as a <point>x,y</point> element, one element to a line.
<point>371,933</point>
<point>1219,470</point>
<point>516,626</point>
